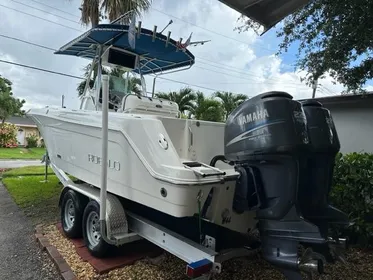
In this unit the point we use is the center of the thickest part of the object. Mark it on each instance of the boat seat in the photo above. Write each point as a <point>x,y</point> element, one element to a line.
<point>136,104</point>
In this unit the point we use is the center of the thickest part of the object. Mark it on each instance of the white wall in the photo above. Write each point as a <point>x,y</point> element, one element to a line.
<point>354,124</point>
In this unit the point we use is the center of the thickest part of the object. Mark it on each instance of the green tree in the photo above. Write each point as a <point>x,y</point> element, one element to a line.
<point>184,98</point>
<point>334,37</point>
<point>9,105</point>
<point>229,101</point>
<point>134,84</point>
<point>86,69</point>
<point>208,109</point>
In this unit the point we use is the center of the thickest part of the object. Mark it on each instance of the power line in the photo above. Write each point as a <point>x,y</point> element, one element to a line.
<point>80,78</point>
<point>219,65</point>
<point>243,73</point>
<point>44,11</point>
<point>226,65</point>
<point>188,84</point>
<point>249,81</point>
<point>199,58</point>
<point>211,70</point>
<point>27,42</point>
<point>41,69</point>
<point>50,21</point>
<point>51,7</point>
<point>206,29</point>
<point>239,72</point>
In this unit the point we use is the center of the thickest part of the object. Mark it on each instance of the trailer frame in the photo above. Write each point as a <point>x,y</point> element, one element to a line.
<point>124,227</point>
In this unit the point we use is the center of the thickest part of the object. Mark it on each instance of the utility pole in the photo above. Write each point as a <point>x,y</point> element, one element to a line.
<point>63,101</point>
<point>314,87</point>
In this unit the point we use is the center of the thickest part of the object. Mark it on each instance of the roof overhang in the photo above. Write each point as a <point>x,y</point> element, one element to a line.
<point>266,12</point>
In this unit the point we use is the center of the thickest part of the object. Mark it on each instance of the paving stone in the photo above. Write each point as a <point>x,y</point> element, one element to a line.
<point>68,275</point>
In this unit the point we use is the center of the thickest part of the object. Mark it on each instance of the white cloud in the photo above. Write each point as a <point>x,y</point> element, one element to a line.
<point>232,64</point>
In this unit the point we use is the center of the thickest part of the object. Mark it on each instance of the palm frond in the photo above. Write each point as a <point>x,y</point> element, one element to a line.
<point>90,12</point>
<point>229,100</point>
<point>116,8</point>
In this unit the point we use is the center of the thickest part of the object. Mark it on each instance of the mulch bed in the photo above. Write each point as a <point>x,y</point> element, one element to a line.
<point>167,267</point>
<point>127,254</point>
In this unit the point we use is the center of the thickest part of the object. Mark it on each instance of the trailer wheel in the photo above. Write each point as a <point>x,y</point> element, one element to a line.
<point>72,207</point>
<point>91,231</point>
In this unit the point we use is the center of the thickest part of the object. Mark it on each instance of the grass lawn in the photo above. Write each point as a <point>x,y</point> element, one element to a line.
<point>21,153</point>
<point>30,190</point>
<point>27,171</point>
<point>37,198</point>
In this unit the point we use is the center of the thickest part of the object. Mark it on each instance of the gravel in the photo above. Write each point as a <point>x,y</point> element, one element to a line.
<point>167,267</point>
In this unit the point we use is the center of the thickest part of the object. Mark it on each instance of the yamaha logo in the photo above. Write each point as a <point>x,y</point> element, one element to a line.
<point>252,117</point>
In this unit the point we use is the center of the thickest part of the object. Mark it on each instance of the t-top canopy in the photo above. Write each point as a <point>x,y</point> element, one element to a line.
<point>156,53</point>
<point>266,12</point>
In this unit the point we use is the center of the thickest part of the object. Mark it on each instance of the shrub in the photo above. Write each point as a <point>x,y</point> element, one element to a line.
<point>32,141</point>
<point>42,144</point>
<point>352,192</point>
<point>8,135</point>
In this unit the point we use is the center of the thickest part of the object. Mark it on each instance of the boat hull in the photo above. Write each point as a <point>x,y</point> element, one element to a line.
<point>139,168</point>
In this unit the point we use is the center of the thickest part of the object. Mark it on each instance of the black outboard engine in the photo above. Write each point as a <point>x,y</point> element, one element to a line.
<point>267,139</point>
<point>313,194</point>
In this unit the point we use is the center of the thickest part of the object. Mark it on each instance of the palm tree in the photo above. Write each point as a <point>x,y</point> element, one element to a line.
<point>230,101</point>
<point>208,109</point>
<point>93,10</point>
<point>184,98</point>
<point>86,69</point>
<point>134,83</point>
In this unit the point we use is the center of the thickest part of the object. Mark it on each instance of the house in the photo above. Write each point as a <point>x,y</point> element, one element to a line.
<point>25,128</point>
<point>353,118</point>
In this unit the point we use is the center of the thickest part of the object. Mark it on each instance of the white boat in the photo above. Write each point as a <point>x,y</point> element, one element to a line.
<point>179,183</point>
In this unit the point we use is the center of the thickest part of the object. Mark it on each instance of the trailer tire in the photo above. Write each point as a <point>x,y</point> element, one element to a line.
<point>96,245</point>
<point>72,207</point>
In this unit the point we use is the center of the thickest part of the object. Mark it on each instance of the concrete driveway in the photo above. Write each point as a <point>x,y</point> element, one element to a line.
<point>14,163</point>
<point>20,255</point>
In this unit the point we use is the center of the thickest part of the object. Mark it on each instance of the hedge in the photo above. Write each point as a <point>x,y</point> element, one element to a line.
<point>8,135</point>
<point>352,192</point>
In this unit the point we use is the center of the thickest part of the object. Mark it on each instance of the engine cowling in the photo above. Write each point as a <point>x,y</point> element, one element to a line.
<point>267,139</point>
<point>313,194</point>
<point>270,123</point>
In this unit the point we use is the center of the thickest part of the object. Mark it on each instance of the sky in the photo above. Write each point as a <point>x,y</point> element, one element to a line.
<point>238,62</point>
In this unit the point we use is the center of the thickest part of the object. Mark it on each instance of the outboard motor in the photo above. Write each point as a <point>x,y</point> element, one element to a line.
<point>267,139</point>
<point>313,194</point>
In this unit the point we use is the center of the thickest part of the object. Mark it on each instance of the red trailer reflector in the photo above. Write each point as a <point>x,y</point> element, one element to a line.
<point>198,268</point>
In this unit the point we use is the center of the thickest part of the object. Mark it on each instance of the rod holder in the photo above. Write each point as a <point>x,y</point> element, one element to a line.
<point>168,38</point>
<point>154,33</point>
<point>139,29</point>
<point>181,39</point>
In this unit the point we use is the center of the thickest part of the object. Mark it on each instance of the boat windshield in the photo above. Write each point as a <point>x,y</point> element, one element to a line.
<point>117,90</point>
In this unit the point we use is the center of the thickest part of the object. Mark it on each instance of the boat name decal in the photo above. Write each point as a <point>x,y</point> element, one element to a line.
<point>112,164</point>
